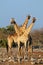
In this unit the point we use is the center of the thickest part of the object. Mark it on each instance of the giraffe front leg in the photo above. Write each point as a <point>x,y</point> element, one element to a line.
<point>18,48</point>
<point>25,55</point>
<point>9,47</point>
<point>25,47</point>
<point>19,52</point>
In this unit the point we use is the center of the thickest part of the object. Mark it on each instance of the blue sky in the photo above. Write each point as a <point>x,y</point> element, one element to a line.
<point>19,9</point>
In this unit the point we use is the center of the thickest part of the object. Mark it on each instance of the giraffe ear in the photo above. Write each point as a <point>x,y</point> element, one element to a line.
<point>34,19</point>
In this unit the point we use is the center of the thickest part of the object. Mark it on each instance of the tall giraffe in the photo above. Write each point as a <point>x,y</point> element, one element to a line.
<point>23,38</point>
<point>20,29</point>
<point>17,28</point>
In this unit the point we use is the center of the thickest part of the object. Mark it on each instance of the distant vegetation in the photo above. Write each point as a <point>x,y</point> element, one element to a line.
<point>37,35</point>
<point>4,32</point>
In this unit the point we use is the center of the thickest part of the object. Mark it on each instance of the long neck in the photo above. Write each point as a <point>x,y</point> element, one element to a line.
<point>25,24</point>
<point>16,29</point>
<point>27,31</point>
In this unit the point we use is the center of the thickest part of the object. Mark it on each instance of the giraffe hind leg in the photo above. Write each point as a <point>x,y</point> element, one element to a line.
<point>7,47</point>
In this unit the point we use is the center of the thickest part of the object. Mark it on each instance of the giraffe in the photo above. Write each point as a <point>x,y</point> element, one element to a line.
<point>23,38</point>
<point>20,29</point>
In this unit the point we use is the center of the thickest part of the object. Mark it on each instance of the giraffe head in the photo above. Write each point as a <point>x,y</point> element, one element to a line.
<point>12,21</point>
<point>34,19</point>
<point>28,16</point>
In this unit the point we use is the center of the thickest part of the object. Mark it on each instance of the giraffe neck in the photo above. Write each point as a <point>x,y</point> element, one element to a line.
<point>25,24</point>
<point>27,31</point>
<point>16,28</point>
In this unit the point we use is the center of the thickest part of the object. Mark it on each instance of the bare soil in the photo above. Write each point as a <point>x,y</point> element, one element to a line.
<point>11,61</point>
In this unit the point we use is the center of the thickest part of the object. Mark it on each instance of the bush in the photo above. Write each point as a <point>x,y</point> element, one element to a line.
<point>3,43</point>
